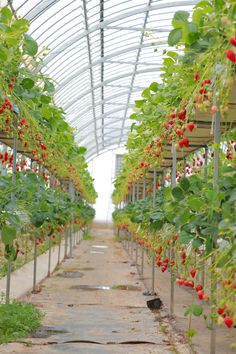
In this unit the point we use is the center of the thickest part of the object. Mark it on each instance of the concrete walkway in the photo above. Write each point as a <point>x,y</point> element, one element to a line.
<point>94,304</point>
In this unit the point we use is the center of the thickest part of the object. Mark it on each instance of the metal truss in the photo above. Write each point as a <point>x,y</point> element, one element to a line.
<point>101,56</point>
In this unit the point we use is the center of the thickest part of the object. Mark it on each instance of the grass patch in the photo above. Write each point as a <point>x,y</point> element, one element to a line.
<point>86,235</point>
<point>17,320</point>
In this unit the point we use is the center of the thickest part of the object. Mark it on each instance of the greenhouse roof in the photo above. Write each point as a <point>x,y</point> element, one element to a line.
<point>101,55</point>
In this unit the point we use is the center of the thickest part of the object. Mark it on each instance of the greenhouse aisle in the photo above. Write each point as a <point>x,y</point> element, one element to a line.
<point>94,304</point>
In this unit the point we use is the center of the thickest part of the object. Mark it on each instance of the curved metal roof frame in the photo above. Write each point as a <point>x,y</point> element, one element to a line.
<point>101,58</point>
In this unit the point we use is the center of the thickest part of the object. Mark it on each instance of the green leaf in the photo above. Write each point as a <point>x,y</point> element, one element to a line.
<point>8,234</point>
<point>191,332</point>
<point>14,220</point>
<point>49,87</point>
<point>146,93</point>
<point>30,45</point>
<point>82,150</point>
<point>46,112</point>
<point>180,17</point>
<point>27,84</point>
<point>154,86</point>
<point>197,309</point>
<point>175,36</point>
<point>168,61</point>
<point>139,103</point>
<point>233,196</point>
<point>191,27</point>
<point>195,203</point>
<point>45,99</point>
<point>219,4</point>
<point>189,311</point>
<point>209,245</point>
<point>178,193</point>
<point>184,183</point>
<point>20,25</point>
<point>3,53</point>
<point>185,237</point>
<point>184,217</point>
<point>228,169</point>
<point>6,15</point>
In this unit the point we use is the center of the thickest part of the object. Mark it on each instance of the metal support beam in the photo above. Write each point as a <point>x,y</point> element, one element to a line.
<point>90,71</point>
<point>135,67</point>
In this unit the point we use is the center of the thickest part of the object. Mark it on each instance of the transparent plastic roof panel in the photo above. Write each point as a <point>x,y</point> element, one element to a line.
<point>101,54</point>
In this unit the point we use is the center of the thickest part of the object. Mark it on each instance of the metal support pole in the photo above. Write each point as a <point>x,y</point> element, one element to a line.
<point>13,197</point>
<point>172,275</point>
<point>144,187</point>
<point>137,190</point>
<point>205,179</point>
<point>142,261</point>
<point>215,236</point>
<point>153,257</point>
<point>49,255</point>
<point>66,241</point>
<point>133,193</point>
<point>72,198</point>
<point>154,186</point>
<point>35,266</point>
<point>59,249</point>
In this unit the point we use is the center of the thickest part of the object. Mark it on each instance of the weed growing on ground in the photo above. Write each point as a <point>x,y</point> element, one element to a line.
<point>17,320</point>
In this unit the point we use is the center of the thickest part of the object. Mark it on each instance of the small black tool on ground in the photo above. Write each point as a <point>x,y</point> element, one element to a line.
<point>154,304</point>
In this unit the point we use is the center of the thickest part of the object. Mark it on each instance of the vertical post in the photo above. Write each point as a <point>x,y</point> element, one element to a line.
<point>49,255</point>
<point>173,184</point>
<point>137,190</point>
<point>215,236</point>
<point>35,266</point>
<point>66,241</point>
<point>144,188</point>
<point>153,257</point>
<point>59,249</point>
<point>71,192</point>
<point>142,248</point>
<point>13,197</point>
<point>133,193</point>
<point>205,179</point>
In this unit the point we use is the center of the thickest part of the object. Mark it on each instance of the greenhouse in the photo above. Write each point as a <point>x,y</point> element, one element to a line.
<point>118,176</point>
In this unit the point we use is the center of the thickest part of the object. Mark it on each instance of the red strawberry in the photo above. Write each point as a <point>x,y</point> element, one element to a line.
<point>193,272</point>
<point>179,132</point>
<point>166,126</point>
<point>186,142</point>
<point>166,260</point>
<point>172,115</point>
<point>163,269</point>
<point>230,54</point>
<point>233,41</point>
<point>181,143</point>
<point>214,109</point>
<point>228,321</point>
<point>198,287</point>
<point>191,126</point>
<point>196,76</point>
<point>200,295</point>
<point>220,310</point>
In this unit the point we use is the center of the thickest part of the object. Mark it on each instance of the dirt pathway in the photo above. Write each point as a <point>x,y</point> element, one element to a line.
<point>94,304</point>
